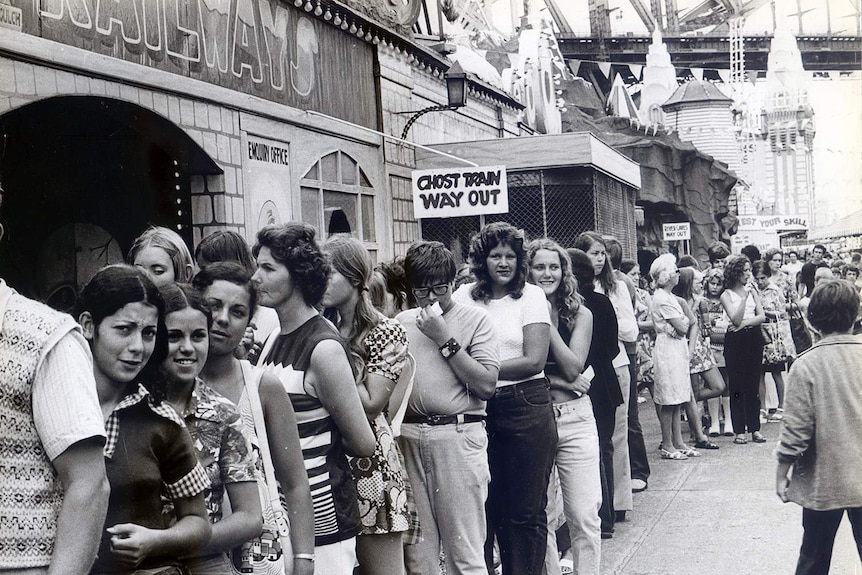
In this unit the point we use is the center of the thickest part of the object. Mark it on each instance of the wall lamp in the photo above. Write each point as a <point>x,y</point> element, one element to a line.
<point>456,93</point>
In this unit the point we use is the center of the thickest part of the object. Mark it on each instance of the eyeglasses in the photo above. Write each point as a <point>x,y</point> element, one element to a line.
<point>438,290</point>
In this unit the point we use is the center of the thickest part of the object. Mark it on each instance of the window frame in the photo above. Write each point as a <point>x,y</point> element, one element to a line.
<point>359,191</point>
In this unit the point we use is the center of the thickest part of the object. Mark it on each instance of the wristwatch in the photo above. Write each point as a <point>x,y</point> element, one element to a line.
<point>450,348</point>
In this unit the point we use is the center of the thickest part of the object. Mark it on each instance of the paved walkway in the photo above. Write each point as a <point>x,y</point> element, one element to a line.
<point>714,515</point>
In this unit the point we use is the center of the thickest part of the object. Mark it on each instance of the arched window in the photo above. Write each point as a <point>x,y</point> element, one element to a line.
<point>337,197</point>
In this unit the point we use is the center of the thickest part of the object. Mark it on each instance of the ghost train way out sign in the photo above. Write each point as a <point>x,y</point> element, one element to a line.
<point>451,192</point>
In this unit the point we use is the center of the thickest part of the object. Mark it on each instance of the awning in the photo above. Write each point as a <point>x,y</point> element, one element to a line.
<point>847,226</point>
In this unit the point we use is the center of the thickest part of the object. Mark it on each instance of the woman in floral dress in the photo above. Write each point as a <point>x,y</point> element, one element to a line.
<point>378,349</point>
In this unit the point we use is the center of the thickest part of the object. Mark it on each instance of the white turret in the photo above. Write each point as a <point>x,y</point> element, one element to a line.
<point>659,81</point>
<point>786,80</point>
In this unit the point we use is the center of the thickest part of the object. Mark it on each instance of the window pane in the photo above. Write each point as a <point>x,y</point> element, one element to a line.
<point>329,168</point>
<point>363,179</point>
<point>339,213</point>
<point>368,219</point>
<point>312,173</point>
<point>348,170</point>
<point>310,198</point>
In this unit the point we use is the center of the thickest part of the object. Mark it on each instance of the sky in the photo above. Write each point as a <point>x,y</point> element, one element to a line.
<point>838,141</point>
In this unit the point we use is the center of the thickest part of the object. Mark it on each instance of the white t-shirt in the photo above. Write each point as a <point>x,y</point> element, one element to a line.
<point>509,316</point>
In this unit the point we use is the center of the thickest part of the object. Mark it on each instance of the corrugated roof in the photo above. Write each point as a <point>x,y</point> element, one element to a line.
<point>847,226</point>
<point>696,91</point>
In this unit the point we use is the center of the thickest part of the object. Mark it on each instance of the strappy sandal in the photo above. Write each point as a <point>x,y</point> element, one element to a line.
<point>757,437</point>
<point>740,440</point>
<point>706,444</point>
<point>690,452</point>
<point>675,455</point>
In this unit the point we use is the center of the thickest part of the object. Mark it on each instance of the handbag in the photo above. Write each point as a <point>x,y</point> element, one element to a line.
<point>271,553</point>
<point>799,330</point>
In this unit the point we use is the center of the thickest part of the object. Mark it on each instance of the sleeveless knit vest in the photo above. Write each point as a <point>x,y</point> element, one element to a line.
<point>30,493</point>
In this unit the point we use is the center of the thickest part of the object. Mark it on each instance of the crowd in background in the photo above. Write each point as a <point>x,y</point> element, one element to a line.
<point>288,407</point>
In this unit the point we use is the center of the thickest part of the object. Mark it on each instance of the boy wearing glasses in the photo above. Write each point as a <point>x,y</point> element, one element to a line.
<point>443,435</point>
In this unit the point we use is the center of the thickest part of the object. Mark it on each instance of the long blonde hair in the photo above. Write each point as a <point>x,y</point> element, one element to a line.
<point>567,298</point>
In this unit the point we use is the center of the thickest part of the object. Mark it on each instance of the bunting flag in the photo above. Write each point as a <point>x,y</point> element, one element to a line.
<point>724,75</point>
<point>605,68</point>
<point>574,66</point>
<point>636,70</point>
<point>751,76</point>
<point>697,73</point>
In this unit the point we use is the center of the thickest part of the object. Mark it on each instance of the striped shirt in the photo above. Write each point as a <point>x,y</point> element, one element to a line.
<point>333,492</point>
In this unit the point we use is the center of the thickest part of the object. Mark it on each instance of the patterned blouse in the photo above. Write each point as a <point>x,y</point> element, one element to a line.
<point>221,445</point>
<point>386,345</point>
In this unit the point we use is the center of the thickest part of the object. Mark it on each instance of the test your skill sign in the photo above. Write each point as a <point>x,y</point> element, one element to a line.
<point>448,192</point>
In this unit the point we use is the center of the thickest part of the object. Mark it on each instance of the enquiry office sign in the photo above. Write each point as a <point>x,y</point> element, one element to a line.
<point>448,192</point>
<point>676,232</point>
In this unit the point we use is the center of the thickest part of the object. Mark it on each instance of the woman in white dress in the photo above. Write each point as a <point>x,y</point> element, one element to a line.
<point>670,357</point>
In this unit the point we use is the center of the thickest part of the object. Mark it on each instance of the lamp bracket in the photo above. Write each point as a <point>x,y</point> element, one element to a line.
<point>421,113</point>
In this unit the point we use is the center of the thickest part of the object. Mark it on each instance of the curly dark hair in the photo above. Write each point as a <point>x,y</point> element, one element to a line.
<point>293,245</point>
<point>488,238</point>
<point>734,267</point>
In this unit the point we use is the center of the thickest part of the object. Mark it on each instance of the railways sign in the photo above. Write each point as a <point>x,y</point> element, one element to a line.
<point>266,48</point>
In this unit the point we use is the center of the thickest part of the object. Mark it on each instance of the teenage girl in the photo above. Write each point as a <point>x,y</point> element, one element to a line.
<point>163,254</point>
<point>149,450</point>
<point>743,347</point>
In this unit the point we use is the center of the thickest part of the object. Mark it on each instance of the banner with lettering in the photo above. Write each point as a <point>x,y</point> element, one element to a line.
<point>450,192</point>
<point>265,48</point>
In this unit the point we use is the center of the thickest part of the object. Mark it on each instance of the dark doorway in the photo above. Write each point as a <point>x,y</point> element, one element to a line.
<point>82,177</point>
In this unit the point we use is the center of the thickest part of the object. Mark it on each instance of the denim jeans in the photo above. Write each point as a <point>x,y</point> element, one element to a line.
<point>577,463</point>
<point>448,470</point>
<point>820,527</point>
<point>522,438</point>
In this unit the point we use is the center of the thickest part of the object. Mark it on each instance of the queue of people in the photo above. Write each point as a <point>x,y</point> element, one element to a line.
<point>288,408</point>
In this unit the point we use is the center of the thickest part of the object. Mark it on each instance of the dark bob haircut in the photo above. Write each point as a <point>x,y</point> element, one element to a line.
<point>428,263</point>
<point>488,238</point>
<point>833,307</point>
<point>293,246</point>
<point>112,288</point>
<point>229,271</point>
